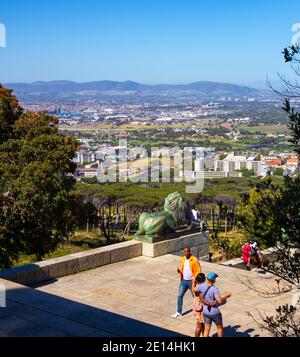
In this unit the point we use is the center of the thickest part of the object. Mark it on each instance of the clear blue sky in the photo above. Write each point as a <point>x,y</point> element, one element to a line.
<point>151,41</point>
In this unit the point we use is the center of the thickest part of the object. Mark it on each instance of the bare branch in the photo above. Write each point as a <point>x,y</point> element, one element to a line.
<point>278,291</point>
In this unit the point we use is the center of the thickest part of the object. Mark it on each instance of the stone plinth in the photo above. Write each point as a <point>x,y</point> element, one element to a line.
<point>198,242</point>
<point>184,231</point>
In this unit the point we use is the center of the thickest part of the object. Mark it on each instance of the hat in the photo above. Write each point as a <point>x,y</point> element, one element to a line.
<point>251,239</point>
<point>212,276</point>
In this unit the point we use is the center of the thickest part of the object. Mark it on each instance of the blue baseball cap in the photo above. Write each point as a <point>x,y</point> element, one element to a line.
<point>212,276</point>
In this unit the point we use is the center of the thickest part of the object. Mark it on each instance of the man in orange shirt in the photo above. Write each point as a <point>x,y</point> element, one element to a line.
<point>188,270</point>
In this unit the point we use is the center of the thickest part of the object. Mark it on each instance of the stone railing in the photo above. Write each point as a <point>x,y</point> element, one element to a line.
<point>37,273</point>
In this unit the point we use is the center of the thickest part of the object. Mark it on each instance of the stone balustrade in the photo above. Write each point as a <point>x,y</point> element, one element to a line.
<point>71,264</point>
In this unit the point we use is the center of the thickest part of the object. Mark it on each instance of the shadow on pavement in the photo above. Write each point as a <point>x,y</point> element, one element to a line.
<point>33,313</point>
<point>233,331</point>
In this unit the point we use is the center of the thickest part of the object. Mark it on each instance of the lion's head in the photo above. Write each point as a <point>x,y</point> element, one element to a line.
<point>175,206</point>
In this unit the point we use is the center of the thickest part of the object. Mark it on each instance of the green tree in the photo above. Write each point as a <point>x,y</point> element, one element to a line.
<point>10,112</point>
<point>279,172</point>
<point>36,170</point>
<point>247,172</point>
<point>271,213</point>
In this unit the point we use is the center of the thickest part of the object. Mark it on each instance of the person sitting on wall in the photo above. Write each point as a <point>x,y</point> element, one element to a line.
<point>247,251</point>
<point>256,253</point>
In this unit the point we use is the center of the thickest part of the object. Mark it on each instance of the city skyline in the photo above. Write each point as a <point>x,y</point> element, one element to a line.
<point>156,42</point>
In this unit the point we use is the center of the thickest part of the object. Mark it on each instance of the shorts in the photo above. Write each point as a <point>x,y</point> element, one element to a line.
<point>199,317</point>
<point>217,319</point>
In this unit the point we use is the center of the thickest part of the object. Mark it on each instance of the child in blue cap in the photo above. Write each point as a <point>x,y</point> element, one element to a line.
<point>211,299</point>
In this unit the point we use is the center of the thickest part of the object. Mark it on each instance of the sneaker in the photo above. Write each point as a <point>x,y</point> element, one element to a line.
<point>175,316</point>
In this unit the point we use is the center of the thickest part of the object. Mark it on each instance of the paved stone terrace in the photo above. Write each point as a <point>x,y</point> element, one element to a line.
<point>131,298</point>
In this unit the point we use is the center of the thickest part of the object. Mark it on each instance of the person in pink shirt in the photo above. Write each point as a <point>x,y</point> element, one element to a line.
<point>247,250</point>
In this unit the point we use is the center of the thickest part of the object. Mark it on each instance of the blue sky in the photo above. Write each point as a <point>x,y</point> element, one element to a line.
<point>151,41</point>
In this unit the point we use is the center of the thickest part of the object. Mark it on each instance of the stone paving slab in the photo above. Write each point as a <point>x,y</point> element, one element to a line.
<point>131,298</point>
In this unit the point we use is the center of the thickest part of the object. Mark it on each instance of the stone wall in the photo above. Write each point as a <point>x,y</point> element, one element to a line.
<point>38,273</point>
<point>71,264</point>
<point>198,242</point>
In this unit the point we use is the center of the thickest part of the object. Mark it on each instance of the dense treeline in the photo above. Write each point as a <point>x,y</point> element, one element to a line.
<point>115,207</point>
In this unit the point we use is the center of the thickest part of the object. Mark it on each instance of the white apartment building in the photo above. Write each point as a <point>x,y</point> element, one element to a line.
<point>190,176</point>
<point>85,156</point>
<point>234,163</point>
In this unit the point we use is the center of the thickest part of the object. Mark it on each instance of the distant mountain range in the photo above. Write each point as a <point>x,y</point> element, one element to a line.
<point>113,87</point>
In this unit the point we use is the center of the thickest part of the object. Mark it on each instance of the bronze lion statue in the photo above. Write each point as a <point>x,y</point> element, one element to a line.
<point>174,215</point>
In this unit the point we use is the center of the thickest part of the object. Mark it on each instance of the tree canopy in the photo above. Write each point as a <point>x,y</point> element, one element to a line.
<point>36,170</point>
